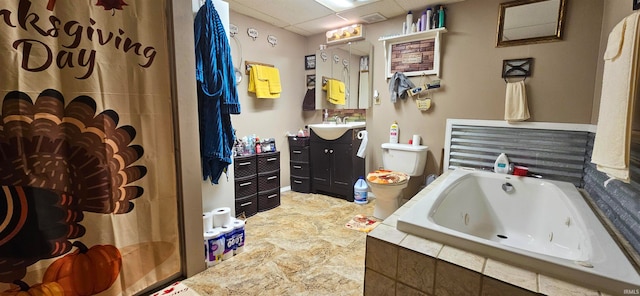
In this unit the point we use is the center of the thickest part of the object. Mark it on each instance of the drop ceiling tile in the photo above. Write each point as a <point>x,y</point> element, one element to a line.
<point>241,9</point>
<point>288,11</point>
<point>323,24</point>
<point>387,8</point>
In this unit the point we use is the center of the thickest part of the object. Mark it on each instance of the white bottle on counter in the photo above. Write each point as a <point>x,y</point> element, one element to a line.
<point>501,165</point>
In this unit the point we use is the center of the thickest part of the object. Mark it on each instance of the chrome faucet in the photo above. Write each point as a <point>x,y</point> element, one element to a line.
<point>507,187</point>
<point>337,119</point>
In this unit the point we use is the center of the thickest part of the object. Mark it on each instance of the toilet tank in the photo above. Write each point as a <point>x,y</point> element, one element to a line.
<point>406,158</point>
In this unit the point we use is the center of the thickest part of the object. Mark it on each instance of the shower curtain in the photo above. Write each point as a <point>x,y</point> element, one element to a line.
<point>87,177</point>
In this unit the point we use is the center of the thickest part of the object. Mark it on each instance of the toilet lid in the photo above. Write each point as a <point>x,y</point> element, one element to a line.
<point>387,177</point>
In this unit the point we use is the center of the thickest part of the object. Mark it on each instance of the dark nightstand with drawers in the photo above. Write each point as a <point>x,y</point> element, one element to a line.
<point>257,182</point>
<point>299,164</point>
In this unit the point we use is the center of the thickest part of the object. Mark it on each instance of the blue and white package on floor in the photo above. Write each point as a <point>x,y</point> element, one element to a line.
<point>221,243</point>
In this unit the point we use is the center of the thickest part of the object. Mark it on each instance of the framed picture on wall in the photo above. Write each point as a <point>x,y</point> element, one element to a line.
<point>311,80</point>
<point>636,4</point>
<point>413,55</point>
<point>310,62</point>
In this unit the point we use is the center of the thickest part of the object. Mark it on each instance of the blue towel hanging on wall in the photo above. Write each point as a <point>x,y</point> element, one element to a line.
<point>217,93</point>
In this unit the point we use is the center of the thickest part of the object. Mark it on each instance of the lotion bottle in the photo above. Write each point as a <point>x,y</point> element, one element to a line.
<point>393,133</point>
<point>501,165</point>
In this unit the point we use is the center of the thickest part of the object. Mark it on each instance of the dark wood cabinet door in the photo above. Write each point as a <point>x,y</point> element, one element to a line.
<point>341,172</point>
<point>321,168</point>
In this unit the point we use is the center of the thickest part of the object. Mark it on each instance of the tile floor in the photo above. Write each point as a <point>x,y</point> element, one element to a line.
<point>298,248</point>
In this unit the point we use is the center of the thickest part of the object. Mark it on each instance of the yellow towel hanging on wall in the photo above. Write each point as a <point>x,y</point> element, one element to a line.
<point>264,82</point>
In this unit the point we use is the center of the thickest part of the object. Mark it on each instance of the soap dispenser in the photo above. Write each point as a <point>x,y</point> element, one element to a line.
<point>501,165</point>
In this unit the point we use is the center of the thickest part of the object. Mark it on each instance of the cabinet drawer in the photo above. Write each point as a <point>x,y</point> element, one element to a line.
<point>246,186</point>
<point>268,162</point>
<point>300,169</point>
<point>299,154</point>
<point>245,166</point>
<point>247,205</point>
<point>269,181</point>
<point>268,200</point>
<point>298,141</point>
<point>300,184</point>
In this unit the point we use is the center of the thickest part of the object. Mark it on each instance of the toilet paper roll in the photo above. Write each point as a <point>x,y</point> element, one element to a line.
<point>229,243</point>
<point>416,140</point>
<point>207,221</point>
<point>362,150</point>
<point>221,216</point>
<point>214,246</point>
<point>238,237</point>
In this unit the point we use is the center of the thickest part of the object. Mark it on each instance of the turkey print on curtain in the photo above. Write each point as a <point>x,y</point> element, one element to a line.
<point>87,177</point>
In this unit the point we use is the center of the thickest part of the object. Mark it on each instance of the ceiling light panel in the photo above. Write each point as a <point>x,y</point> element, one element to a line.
<point>342,5</point>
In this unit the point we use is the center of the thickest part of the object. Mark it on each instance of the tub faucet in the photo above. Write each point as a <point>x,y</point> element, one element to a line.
<point>507,187</point>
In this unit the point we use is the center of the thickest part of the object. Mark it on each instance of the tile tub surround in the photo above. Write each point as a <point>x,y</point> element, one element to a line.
<point>444,270</point>
<point>298,248</point>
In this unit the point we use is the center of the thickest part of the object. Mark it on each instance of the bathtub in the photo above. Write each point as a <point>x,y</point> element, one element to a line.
<point>544,226</point>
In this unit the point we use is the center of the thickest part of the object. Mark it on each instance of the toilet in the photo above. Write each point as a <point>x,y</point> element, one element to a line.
<point>400,162</point>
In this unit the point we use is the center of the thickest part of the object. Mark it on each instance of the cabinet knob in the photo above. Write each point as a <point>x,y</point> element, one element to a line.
<point>331,151</point>
<point>326,150</point>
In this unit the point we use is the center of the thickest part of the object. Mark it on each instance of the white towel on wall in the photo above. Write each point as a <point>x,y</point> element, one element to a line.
<point>515,103</point>
<point>619,88</point>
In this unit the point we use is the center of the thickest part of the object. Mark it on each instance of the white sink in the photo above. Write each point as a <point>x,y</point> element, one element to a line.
<point>332,131</point>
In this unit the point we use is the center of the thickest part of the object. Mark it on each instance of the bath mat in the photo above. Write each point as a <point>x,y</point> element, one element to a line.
<point>176,288</point>
<point>362,223</point>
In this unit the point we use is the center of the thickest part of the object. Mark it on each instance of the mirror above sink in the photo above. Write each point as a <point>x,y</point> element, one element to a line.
<point>350,64</point>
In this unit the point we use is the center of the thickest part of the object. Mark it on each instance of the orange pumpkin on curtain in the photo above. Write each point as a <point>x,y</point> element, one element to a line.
<point>45,289</point>
<point>87,271</point>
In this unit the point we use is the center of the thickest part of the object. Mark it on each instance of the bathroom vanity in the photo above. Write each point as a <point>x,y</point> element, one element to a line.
<point>334,165</point>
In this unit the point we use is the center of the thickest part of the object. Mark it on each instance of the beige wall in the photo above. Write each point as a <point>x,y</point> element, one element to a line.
<point>560,90</point>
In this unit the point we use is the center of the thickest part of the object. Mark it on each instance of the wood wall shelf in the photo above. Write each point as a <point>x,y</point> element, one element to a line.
<point>401,53</point>
<point>413,36</point>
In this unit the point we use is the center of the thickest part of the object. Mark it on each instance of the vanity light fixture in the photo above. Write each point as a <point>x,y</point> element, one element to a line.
<point>349,33</point>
